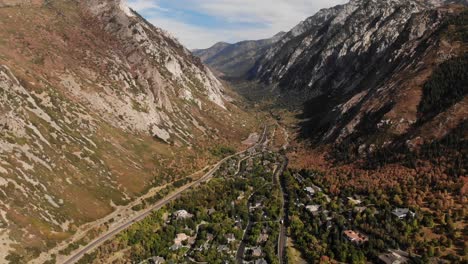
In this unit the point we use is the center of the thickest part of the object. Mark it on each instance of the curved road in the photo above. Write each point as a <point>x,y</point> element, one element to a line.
<point>109,234</point>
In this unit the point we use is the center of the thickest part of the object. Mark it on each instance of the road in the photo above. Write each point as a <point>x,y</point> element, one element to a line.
<point>282,238</point>
<point>111,233</point>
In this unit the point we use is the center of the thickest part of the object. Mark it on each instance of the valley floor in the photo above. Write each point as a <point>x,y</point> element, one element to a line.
<point>235,235</point>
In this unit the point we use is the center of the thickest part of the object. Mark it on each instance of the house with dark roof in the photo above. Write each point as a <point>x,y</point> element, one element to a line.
<point>403,213</point>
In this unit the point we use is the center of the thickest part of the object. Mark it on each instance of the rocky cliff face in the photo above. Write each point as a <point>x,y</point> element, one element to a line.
<point>320,49</point>
<point>235,60</point>
<point>95,103</point>
<point>360,68</point>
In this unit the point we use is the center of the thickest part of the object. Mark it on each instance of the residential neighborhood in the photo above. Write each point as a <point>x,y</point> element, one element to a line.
<point>233,218</point>
<point>351,222</point>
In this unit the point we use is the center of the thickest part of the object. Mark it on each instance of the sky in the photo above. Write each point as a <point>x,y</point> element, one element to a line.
<point>202,23</point>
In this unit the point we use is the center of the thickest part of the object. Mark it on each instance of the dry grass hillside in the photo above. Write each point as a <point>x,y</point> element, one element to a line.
<point>96,107</point>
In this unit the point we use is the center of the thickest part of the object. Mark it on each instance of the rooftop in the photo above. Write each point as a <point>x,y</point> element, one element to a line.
<point>402,212</point>
<point>393,258</point>
<point>313,208</point>
<point>356,237</point>
<point>182,214</point>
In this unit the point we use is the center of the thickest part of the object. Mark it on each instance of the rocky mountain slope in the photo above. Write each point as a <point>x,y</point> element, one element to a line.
<point>235,60</point>
<point>358,71</point>
<point>95,105</point>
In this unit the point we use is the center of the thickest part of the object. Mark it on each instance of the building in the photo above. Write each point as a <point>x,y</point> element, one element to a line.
<point>393,257</point>
<point>298,177</point>
<point>180,238</point>
<point>355,237</point>
<point>182,214</point>
<point>262,238</point>
<point>156,260</point>
<point>354,201</point>
<point>403,213</point>
<point>257,252</point>
<point>230,237</point>
<point>310,190</point>
<point>209,237</point>
<point>313,209</point>
<point>211,211</point>
<point>360,209</point>
<point>222,248</point>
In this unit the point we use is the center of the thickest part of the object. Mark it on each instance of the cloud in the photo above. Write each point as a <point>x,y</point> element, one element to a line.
<point>201,23</point>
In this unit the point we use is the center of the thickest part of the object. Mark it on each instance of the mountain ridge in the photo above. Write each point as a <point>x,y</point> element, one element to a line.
<point>235,60</point>
<point>96,107</point>
<point>338,65</point>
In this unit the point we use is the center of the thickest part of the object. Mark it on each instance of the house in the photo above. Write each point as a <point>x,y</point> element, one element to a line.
<point>178,241</point>
<point>354,201</point>
<point>262,238</point>
<point>310,190</point>
<point>393,257</point>
<point>261,261</point>
<point>182,214</point>
<point>313,208</point>
<point>223,248</point>
<point>211,211</point>
<point>180,238</point>
<point>257,252</point>
<point>238,224</point>
<point>403,213</point>
<point>230,237</point>
<point>209,237</point>
<point>355,237</point>
<point>156,260</point>
<point>317,189</point>
<point>360,209</point>
<point>298,177</point>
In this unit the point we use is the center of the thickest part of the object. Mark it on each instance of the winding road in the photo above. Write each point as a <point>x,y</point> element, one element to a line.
<point>144,213</point>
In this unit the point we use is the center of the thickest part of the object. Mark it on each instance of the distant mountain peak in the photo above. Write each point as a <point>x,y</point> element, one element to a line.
<point>235,60</point>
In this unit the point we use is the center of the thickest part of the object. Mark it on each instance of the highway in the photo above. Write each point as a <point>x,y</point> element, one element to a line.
<point>144,213</point>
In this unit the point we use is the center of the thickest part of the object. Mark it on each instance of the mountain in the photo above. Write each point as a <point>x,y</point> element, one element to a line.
<point>235,60</point>
<point>96,105</point>
<point>360,72</point>
<point>206,54</point>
